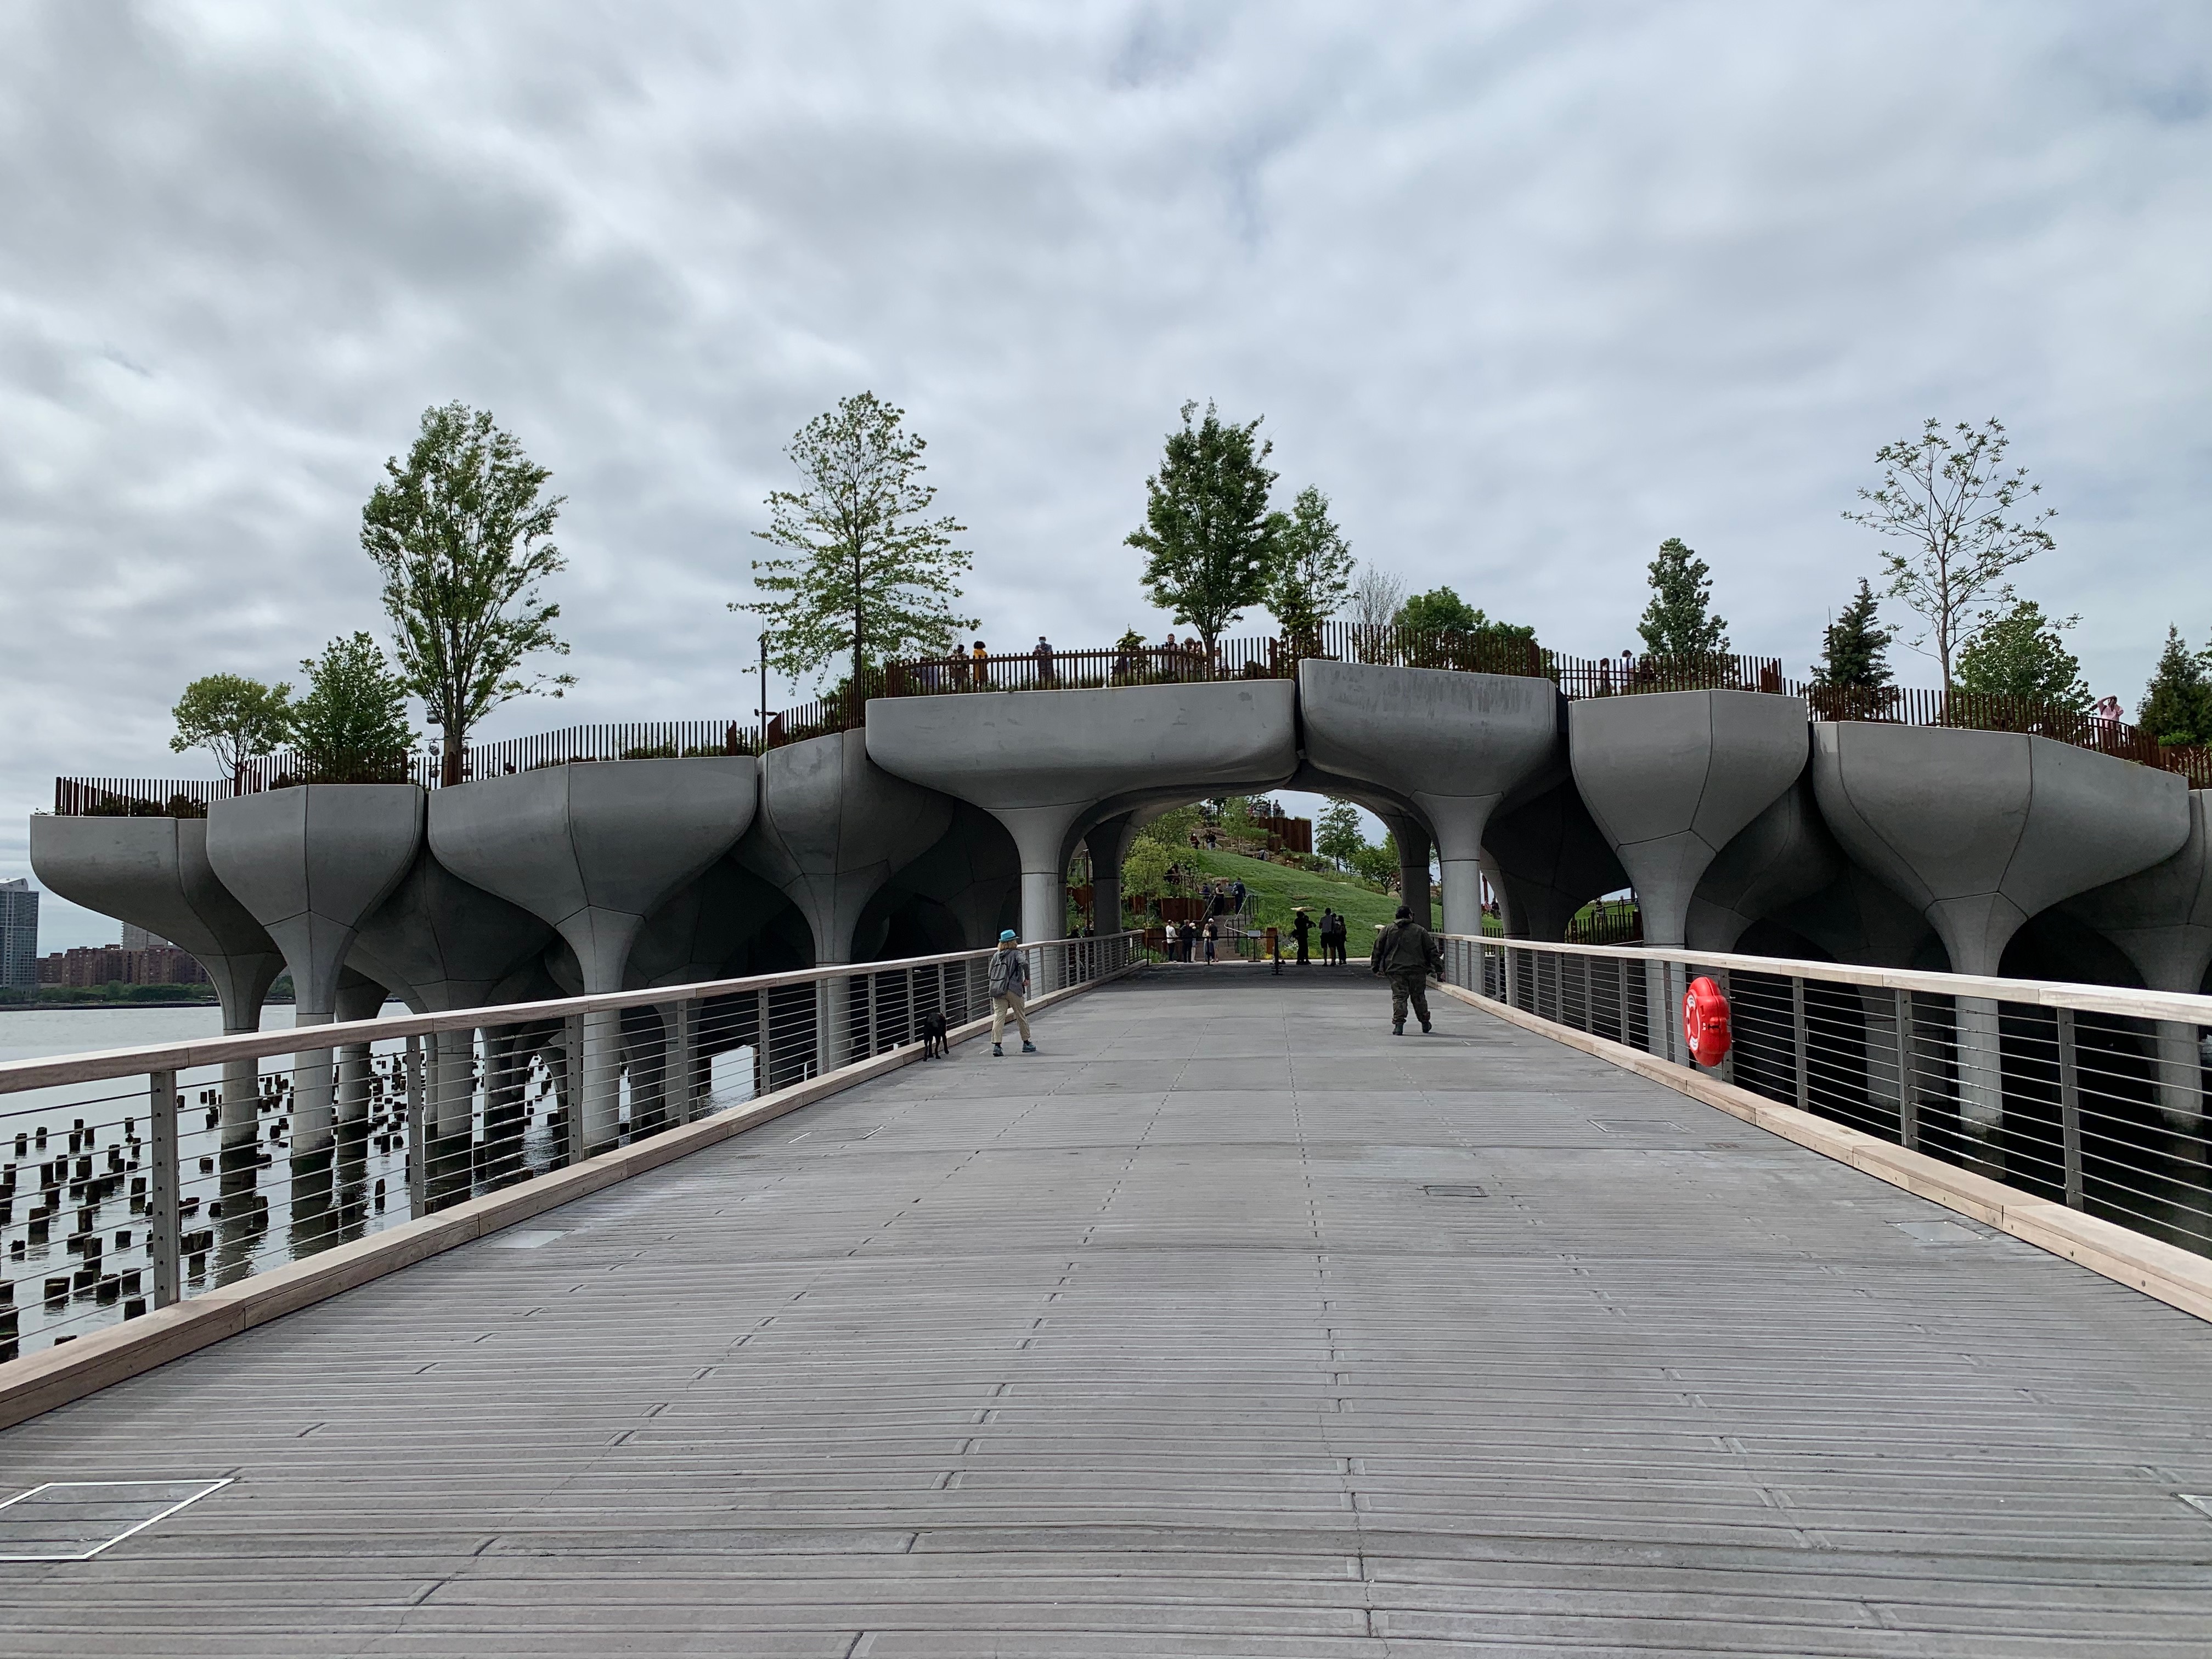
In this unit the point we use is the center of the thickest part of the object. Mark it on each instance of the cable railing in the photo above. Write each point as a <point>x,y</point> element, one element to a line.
<point>1046,668</point>
<point>2092,1096</point>
<point>132,1179</point>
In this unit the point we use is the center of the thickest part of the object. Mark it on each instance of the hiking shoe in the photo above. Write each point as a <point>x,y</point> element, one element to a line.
<point>997,1051</point>
<point>1426,1027</point>
<point>1398,1030</point>
<point>1029,1048</point>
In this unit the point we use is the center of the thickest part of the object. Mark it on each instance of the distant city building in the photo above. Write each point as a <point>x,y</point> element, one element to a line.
<point>19,933</point>
<point>137,938</point>
<point>93,965</point>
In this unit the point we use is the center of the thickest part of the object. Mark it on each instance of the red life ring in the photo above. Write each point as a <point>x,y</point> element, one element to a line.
<point>1705,1022</point>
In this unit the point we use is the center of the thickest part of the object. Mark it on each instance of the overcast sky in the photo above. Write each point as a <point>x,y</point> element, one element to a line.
<point>1524,287</point>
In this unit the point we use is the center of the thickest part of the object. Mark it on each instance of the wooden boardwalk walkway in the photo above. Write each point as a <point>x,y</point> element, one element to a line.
<point>1228,1325</point>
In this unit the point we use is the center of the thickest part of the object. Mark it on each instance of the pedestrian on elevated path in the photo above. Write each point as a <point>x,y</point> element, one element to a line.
<point>1010,990</point>
<point>1407,953</point>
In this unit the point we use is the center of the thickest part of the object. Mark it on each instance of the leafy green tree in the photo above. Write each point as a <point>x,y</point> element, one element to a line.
<point>1208,540</point>
<point>868,577</point>
<point>2021,653</point>
<point>1339,836</point>
<point>460,535</point>
<point>351,726</point>
<point>1441,610</point>
<point>1678,622</point>
<point>234,718</point>
<point>1950,499</point>
<point>1855,650</point>
<point>2177,704</point>
<point>1145,864</point>
<point>1436,611</point>
<point>1312,577</point>
<point>1378,865</point>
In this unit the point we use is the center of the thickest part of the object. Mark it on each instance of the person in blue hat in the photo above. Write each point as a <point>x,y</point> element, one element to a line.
<point>1010,990</point>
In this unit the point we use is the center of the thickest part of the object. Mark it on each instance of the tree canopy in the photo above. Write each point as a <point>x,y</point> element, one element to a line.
<point>1678,622</point>
<point>1948,498</point>
<point>351,726</point>
<point>1208,540</point>
<point>865,575</point>
<point>1312,576</point>
<point>2021,653</point>
<point>459,533</point>
<point>1339,836</point>
<point>234,718</point>
<point>2177,704</point>
<point>1441,610</point>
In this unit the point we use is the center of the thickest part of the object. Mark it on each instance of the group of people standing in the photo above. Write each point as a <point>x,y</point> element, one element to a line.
<point>1333,932</point>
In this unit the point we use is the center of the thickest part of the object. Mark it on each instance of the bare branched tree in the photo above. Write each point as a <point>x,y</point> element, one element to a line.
<point>1948,498</point>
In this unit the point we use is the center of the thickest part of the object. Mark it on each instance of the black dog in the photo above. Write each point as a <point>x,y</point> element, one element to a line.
<point>934,1041</point>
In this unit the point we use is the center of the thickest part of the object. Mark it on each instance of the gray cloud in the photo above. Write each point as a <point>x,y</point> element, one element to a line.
<point>1525,288</point>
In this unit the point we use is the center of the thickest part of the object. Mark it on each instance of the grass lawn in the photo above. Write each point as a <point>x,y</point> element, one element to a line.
<point>1276,888</point>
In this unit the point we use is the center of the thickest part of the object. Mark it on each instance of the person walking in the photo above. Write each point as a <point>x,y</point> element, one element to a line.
<point>1406,953</point>
<point>1010,990</point>
<point>1210,937</point>
<point>1302,926</point>
<point>1173,945</point>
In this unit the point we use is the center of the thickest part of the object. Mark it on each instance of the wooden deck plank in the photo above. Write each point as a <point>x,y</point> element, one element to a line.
<point>1160,1343</point>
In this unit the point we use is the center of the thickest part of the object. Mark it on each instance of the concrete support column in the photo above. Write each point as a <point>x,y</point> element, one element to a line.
<point>1981,1081</point>
<point>1109,843</point>
<point>598,1090</point>
<point>1414,847</point>
<point>2181,1082</point>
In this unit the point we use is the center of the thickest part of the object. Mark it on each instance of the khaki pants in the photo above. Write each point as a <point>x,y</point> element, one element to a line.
<point>1000,1007</point>
<point>1409,986</point>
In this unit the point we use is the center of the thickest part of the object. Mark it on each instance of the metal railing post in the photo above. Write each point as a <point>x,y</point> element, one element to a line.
<point>161,1219</point>
<point>1908,1085</point>
<point>2070,1108</point>
<point>687,1050</point>
<point>1798,1043</point>
<point>418,1147</point>
<point>1620,997</point>
<point>578,1083</point>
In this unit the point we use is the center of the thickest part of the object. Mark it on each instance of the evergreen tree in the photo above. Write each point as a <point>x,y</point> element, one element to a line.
<point>2177,704</point>
<point>869,577</point>
<point>2021,654</point>
<point>1209,540</point>
<point>1854,652</point>
<point>1678,622</point>
<point>352,724</point>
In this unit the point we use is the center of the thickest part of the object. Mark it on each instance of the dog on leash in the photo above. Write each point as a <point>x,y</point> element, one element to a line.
<point>935,1039</point>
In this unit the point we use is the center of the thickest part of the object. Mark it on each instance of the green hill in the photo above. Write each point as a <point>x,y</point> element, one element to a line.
<point>1278,889</point>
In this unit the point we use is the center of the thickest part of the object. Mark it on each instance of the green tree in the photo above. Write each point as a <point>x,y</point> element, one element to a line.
<point>2021,653</point>
<point>1312,577</point>
<point>1436,611</point>
<point>1950,499</point>
<point>234,718</point>
<point>868,576</point>
<point>2177,704</point>
<point>1208,540</point>
<point>351,726</point>
<point>1339,836</point>
<point>1855,650</point>
<point>460,535</point>
<point>1378,865</point>
<point>1678,622</point>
